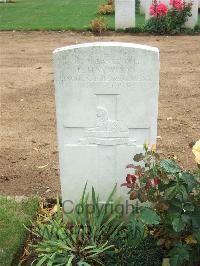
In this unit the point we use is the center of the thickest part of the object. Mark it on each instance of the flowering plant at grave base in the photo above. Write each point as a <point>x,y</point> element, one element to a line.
<point>167,203</point>
<point>168,20</point>
<point>158,9</point>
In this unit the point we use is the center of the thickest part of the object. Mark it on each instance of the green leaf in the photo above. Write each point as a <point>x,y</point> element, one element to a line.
<point>179,254</point>
<point>42,260</point>
<point>138,157</point>
<point>51,260</point>
<point>178,224</point>
<point>82,263</point>
<point>174,260</point>
<point>171,192</point>
<point>190,180</point>
<point>149,216</point>
<point>182,190</point>
<point>176,203</point>
<point>186,218</point>
<point>189,207</point>
<point>196,219</point>
<point>170,166</point>
<point>71,257</point>
<point>197,236</point>
<point>173,212</point>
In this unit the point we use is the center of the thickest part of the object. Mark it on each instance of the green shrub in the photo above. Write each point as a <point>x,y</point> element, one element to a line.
<point>157,25</point>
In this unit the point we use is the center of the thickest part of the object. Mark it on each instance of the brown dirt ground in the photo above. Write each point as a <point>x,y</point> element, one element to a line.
<point>29,157</point>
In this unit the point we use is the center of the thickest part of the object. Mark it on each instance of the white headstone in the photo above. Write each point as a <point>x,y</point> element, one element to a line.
<point>193,20</point>
<point>106,104</point>
<point>124,14</point>
<point>147,9</point>
<point>142,6</point>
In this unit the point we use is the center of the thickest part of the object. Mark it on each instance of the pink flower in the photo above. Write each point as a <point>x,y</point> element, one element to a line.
<point>152,11</point>
<point>158,9</point>
<point>178,4</point>
<point>162,9</point>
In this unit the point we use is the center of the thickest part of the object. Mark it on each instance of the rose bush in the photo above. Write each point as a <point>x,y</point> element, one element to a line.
<point>178,4</point>
<point>167,203</point>
<point>164,20</point>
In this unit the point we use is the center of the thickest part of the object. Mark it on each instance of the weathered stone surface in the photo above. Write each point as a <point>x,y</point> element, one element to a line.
<point>142,6</point>
<point>124,14</point>
<point>106,101</point>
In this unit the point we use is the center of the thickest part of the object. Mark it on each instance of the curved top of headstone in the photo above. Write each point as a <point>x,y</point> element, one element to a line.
<point>108,44</point>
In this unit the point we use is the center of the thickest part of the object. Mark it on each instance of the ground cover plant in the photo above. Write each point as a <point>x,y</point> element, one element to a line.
<point>13,216</point>
<point>82,238</point>
<point>52,15</point>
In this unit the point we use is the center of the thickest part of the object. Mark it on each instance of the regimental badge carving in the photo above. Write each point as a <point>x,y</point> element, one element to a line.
<point>107,132</point>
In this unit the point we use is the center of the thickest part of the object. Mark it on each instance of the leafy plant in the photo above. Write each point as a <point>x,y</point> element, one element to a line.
<point>167,198</point>
<point>82,238</point>
<point>99,25</point>
<point>157,25</point>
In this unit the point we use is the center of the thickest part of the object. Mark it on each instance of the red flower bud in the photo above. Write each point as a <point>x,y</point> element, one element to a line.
<point>152,183</point>
<point>130,179</point>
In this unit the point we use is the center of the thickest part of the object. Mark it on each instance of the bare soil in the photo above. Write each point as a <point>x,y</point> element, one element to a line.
<point>29,157</point>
